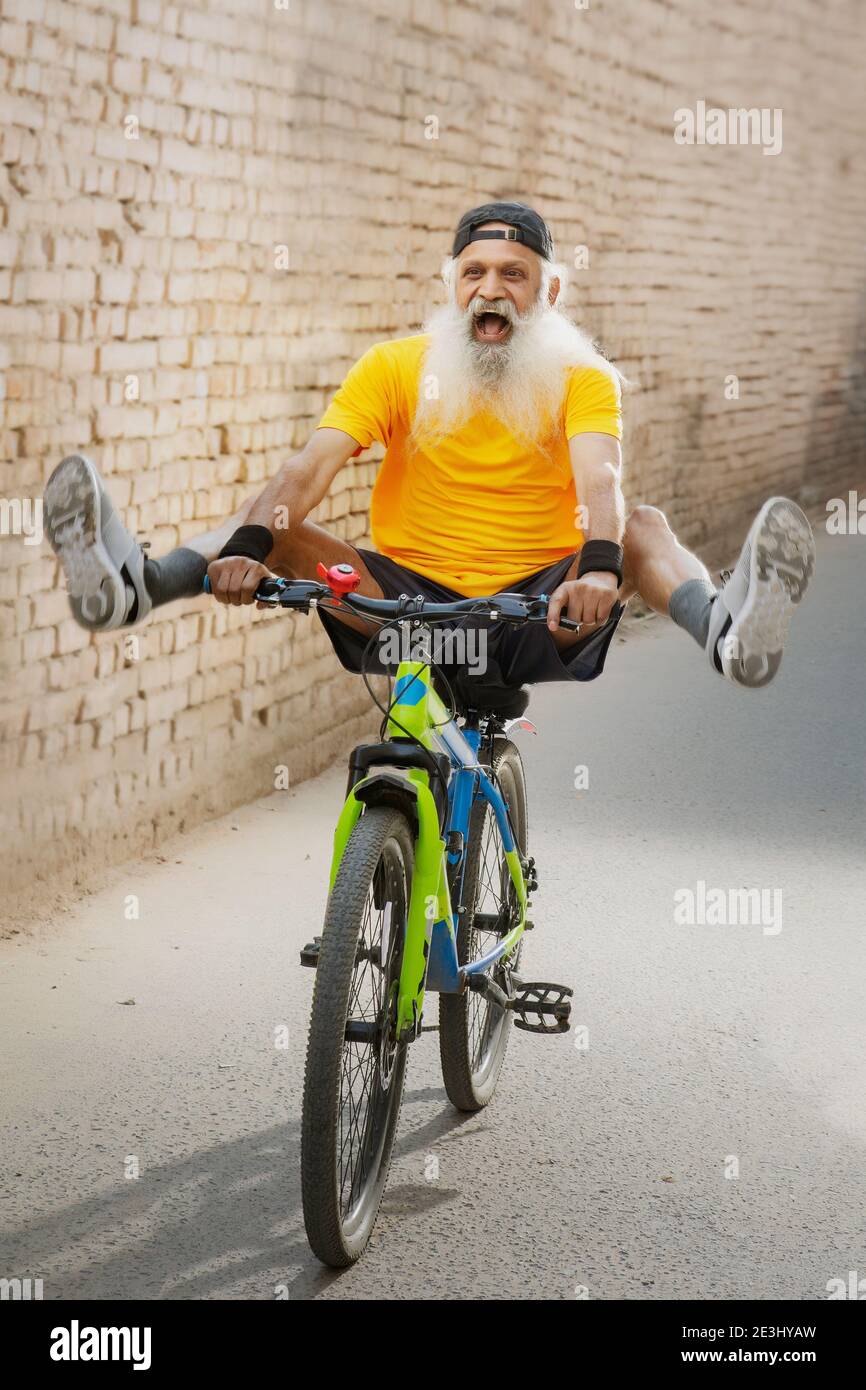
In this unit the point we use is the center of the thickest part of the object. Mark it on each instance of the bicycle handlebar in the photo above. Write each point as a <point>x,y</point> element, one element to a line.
<point>302,594</point>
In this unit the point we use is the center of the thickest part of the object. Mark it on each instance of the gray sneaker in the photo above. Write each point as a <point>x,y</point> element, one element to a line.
<point>749,620</point>
<point>103,563</point>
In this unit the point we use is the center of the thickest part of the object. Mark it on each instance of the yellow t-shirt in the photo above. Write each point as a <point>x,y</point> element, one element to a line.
<point>479,510</point>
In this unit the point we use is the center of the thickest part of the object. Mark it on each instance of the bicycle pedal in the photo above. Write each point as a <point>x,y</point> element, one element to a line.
<point>310,953</point>
<point>541,1007</point>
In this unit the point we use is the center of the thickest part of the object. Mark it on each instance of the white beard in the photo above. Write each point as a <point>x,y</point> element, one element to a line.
<point>521,381</point>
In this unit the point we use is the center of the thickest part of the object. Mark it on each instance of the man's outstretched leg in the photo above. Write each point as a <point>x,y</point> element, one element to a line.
<point>743,626</point>
<point>112,583</point>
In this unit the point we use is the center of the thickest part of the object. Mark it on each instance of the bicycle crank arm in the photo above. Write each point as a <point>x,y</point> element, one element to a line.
<point>482,984</point>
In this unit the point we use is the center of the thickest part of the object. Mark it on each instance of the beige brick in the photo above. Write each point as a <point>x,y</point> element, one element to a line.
<point>35,646</point>
<point>164,705</point>
<point>102,697</point>
<point>127,357</point>
<point>79,286</point>
<point>71,637</point>
<point>129,752</point>
<point>54,709</point>
<point>116,286</point>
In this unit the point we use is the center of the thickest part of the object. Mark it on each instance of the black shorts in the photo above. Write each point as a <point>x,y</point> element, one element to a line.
<point>515,656</point>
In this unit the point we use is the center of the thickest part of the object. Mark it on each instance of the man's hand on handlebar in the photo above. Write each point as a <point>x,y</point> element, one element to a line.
<point>586,600</point>
<point>235,579</point>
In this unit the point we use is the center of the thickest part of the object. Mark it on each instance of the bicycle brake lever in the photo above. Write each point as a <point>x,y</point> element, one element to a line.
<point>269,591</point>
<point>538,608</point>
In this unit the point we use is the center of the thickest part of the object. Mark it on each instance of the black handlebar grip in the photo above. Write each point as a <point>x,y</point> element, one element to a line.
<point>266,589</point>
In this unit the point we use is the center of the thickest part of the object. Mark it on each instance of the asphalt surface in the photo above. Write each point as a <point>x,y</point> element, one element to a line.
<point>599,1170</point>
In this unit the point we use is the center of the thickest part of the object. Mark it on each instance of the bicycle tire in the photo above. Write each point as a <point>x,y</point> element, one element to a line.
<point>470,1078</point>
<point>338,1228</point>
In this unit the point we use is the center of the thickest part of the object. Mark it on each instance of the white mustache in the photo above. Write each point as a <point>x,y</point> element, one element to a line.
<point>503,307</point>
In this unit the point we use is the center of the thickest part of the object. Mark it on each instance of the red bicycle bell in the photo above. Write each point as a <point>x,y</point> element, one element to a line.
<point>340,579</point>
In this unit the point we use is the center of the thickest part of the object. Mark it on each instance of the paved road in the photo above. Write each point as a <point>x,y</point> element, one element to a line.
<point>602,1167</point>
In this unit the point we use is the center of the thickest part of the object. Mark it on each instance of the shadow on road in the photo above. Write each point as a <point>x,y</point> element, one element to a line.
<point>222,1219</point>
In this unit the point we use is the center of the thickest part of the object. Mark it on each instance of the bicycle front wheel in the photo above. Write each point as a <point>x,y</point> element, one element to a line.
<point>353,1085</point>
<point>473,1031</point>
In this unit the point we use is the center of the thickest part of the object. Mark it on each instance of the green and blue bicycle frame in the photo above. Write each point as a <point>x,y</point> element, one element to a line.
<point>416,717</point>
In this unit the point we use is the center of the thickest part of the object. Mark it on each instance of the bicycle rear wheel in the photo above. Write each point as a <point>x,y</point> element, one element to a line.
<point>473,1031</point>
<point>353,1085</point>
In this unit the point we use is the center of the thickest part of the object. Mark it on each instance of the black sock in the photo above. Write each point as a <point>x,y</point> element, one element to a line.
<point>180,574</point>
<point>690,606</point>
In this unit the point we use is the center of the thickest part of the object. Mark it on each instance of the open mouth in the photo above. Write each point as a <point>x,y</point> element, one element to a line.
<point>491,328</point>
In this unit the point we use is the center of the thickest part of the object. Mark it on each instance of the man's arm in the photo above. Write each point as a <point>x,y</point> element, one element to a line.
<point>281,508</point>
<point>596,461</point>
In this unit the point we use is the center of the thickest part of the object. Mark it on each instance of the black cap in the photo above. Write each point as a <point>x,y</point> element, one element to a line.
<point>524,224</point>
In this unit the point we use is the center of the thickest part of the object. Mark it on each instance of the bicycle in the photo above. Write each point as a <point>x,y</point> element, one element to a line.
<point>428,892</point>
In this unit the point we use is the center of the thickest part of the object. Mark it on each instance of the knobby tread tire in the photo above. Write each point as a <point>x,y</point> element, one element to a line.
<point>454,1041</point>
<point>331,996</point>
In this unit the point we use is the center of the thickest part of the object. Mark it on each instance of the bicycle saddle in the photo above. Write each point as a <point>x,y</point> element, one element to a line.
<point>488,697</point>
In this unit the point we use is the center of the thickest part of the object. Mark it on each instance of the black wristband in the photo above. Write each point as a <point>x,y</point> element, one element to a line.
<point>253,542</point>
<point>600,555</point>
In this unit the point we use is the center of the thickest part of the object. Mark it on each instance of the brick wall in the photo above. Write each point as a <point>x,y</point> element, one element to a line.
<point>154,157</point>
